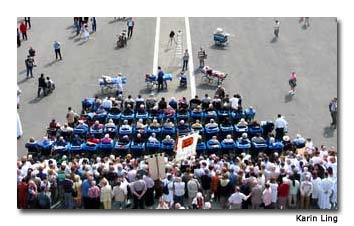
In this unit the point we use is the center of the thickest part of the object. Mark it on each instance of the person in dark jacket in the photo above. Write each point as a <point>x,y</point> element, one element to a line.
<point>42,85</point>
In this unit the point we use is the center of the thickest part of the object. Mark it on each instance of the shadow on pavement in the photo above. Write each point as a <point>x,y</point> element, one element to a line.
<point>72,37</point>
<point>213,46</point>
<point>50,63</point>
<point>22,72</point>
<point>288,98</point>
<point>22,81</point>
<point>81,43</point>
<point>274,40</point>
<point>328,131</point>
<point>304,27</point>
<point>206,86</point>
<point>70,27</point>
<point>36,100</point>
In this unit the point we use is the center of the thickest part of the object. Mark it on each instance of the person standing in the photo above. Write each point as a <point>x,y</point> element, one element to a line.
<point>138,189</point>
<point>106,194</point>
<point>201,56</point>
<point>56,46</point>
<point>23,29</point>
<point>280,127</point>
<point>306,189</point>
<point>267,197</point>
<point>292,83</point>
<point>42,85</point>
<point>185,60</point>
<point>172,38</point>
<point>119,195</point>
<point>130,25</point>
<point>149,195</point>
<point>29,66</point>
<point>93,24</point>
<point>68,190</point>
<point>333,111</point>
<point>28,22</point>
<point>276,28</point>
<point>236,199</point>
<point>160,75</point>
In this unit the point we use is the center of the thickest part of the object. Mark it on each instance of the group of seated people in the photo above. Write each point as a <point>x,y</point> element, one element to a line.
<point>148,126</point>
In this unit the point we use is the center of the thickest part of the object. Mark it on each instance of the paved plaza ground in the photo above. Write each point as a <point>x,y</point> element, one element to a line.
<point>259,67</point>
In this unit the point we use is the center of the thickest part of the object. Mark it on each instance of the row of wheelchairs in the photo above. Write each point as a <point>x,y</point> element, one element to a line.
<point>148,148</point>
<point>234,116</point>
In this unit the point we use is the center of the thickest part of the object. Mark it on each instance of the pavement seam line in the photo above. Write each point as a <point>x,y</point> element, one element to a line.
<point>156,49</point>
<point>190,62</point>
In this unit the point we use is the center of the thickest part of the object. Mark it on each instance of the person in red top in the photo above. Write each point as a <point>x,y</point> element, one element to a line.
<point>92,140</point>
<point>283,193</point>
<point>22,194</point>
<point>23,29</point>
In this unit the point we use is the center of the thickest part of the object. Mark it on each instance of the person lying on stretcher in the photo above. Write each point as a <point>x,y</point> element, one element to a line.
<point>212,73</point>
<point>150,77</point>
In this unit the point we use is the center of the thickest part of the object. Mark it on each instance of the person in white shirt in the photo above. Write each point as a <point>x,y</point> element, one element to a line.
<point>280,127</point>
<point>106,194</point>
<point>234,102</point>
<point>179,190</point>
<point>306,188</point>
<point>274,188</point>
<point>107,103</point>
<point>235,200</point>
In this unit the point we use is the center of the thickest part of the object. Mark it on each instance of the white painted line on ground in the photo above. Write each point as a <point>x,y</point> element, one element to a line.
<point>190,62</point>
<point>156,50</point>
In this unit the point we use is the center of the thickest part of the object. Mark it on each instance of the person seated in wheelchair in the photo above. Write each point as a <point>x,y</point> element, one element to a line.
<point>101,110</point>
<point>139,139</point>
<point>60,143</point>
<point>154,111</point>
<point>150,77</point>
<point>116,108</point>
<point>168,124</point>
<point>124,140</point>
<point>154,124</point>
<point>258,139</point>
<point>228,139</point>
<point>92,141</point>
<point>182,79</point>
<point>197,125</point>
<point>50,85</point>
<point>244,139</point>
<point>220,35</point>
<point>182,126</point>
<point>110,125</point>
<point>125,125</point>
<point>197,109</point>
<point>82,125</point>
<point>140,124</point>
<point>141,110</point>
<point>169,111</point>
<point>226,122</point>
<point>152,139</point>
<point>183,103</point>
<point>168,140</point>
<point>210,110</point>
<point>106,139</point>
<point>122,39</point>
<point>211,125</point>
<point>128,110</point>
<point>242,123</point>
<point>97,126</point>
<point>77,140</point>
<point>213,142</point>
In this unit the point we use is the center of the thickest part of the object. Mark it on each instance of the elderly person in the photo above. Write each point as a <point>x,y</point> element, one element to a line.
<point>153,139</point>
<point>242,123</point>
<point>211,125</point>
<point>155,124</point>
<point>106,139</point>
<point>179,190</point>
<point>244,139</point>
<point>197,125</point>
<point>96,126</point>
<point>125,125</point>
<point>198,201</point>
<point>106,194</point>
<point>168,140</point>
<point>228,139</point>
<point>77,188</point>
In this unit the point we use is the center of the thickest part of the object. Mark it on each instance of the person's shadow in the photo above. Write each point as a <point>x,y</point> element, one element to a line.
<point>328,131</point>
<point>288,98</point>
<point>274,40</point>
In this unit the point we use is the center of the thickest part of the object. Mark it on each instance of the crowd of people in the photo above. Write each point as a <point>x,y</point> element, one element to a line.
<point>297,174</point>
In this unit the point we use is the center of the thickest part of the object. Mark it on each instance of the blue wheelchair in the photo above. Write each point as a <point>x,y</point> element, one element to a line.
<point>90,149</point>
<point>243,147</point>
<point>168,148</point>
<point>121,149</point>
<point>137,149</point>
<point>198,115</point>
<point>201,149</point>
<point>114,117</point>
<point>152,148</point>
<point>220,37</point>
<point>213,148</point>
<point>106,148</point>
<point>227,148</point>
<point>209,132</point>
